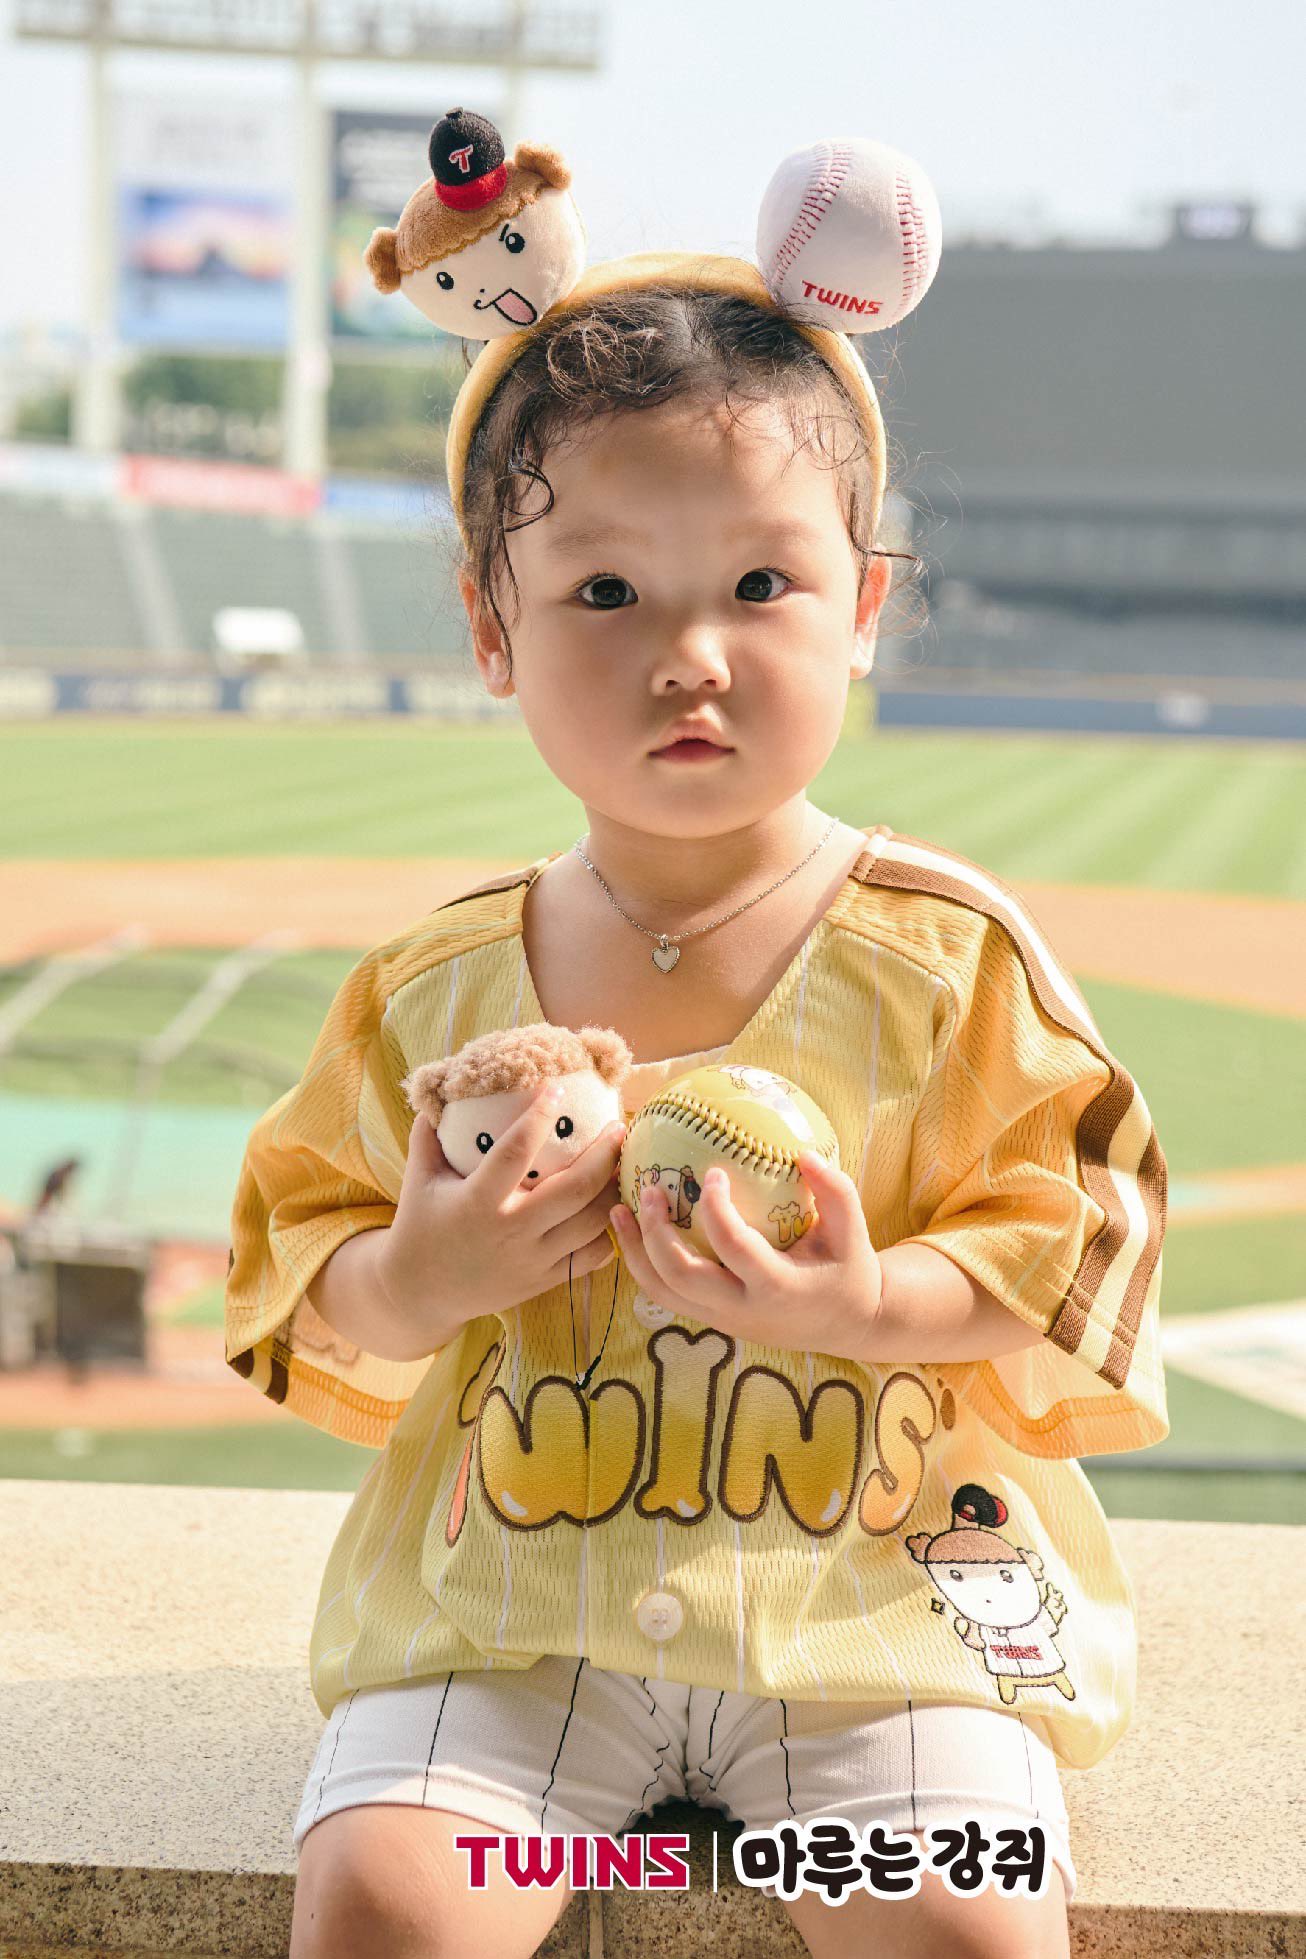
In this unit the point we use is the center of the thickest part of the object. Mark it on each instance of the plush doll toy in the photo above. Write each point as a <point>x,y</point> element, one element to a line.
<point>473,1096</point>
<point>484,246</point>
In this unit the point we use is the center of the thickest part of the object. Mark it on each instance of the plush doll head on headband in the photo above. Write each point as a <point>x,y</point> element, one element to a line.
<point>485,246</point>
<point>848,242</point>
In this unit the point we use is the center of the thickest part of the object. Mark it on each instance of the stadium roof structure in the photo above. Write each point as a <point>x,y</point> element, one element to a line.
<point>347,30</point>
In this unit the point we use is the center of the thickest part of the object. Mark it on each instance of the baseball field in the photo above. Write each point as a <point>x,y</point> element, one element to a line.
<point>179,900</point>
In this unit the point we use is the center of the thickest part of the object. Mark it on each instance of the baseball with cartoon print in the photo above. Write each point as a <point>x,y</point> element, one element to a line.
<point>752,1123</point>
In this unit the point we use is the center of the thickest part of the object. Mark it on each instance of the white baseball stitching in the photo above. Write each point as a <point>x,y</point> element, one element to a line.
<point>915,240</point>
<point>821,194</point>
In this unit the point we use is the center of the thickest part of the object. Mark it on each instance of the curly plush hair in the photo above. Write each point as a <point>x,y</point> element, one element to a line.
<point>629,350</point>
<point>514,1057</point>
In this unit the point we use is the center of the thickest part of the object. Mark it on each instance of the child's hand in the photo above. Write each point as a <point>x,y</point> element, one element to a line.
<point>461,1247</point>
<point>823,1294</point>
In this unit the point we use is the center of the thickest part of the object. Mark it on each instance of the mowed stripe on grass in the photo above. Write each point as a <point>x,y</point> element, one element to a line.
<point>1176,813</point>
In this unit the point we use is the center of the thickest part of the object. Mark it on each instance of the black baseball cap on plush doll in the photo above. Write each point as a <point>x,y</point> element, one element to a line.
<point>848,241</point>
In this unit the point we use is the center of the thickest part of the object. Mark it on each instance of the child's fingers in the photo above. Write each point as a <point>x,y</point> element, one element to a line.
<point>741,1248</point>
<point>838,1205</point>
<point>501,1173</point>
<point>425,1157</point>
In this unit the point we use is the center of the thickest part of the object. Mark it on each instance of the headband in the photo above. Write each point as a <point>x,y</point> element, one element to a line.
<point>848,241</point>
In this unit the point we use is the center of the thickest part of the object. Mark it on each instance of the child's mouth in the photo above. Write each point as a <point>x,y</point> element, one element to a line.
<point>691,751</point>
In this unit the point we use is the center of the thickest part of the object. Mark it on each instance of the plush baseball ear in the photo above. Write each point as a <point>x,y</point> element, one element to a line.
<point>425,1090</point>
<point>849,235</point>
<point>380,260</point>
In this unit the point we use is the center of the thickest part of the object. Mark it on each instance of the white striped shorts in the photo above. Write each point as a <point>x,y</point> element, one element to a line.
<point>564,1748</point>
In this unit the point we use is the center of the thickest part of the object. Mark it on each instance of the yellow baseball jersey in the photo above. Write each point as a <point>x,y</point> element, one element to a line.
<point>729,1515</point>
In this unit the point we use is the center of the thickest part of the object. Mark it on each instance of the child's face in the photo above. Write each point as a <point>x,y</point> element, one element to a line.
<point>619,636</point>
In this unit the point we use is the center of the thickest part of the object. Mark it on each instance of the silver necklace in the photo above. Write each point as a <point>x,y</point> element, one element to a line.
<point>666,952</point>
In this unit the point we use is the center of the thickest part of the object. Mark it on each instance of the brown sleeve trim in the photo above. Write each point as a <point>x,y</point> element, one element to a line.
<point>956,881</point>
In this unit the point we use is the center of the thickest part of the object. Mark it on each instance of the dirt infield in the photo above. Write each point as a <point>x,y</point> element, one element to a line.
<point>186,1384</point>
<point>1242,952</point>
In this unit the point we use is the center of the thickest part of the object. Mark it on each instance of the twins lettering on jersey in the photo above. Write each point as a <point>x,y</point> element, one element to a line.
<point>847,301</point>
<point>565,1457</point>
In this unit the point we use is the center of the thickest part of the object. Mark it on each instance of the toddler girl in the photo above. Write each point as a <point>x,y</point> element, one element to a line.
<point>811,1541</point>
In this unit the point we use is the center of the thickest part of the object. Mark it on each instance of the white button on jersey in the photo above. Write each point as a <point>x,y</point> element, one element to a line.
<point>660,1615</point>
<point>649,1313</point>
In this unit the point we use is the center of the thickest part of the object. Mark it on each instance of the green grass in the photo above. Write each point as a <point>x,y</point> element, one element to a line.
<point>285,1455</point>
<point>1206,1421</point>
<point>203,1308</point>
<point>1223,1083</point>
<point>254,1047</point>
<point>1246,1262</point>
<point>1207,1499</point>
<point>1170,812</point>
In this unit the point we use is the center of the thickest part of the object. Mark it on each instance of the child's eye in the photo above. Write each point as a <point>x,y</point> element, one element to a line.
<point>612,578</point>
<point>608,578</point>
<point>762,571</point>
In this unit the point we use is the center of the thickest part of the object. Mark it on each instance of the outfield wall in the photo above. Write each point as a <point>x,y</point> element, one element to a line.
<point>33,694</point>
<point>1187,711</point>
<point>448,693</point>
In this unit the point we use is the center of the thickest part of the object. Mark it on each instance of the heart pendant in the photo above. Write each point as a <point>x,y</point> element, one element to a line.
<point>665,957</point>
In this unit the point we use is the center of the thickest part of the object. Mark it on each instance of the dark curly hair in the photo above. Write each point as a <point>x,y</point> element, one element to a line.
<point>628,350</point>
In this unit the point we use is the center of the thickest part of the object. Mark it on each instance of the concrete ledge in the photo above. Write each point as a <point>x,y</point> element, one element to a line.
<point>152,1759</point>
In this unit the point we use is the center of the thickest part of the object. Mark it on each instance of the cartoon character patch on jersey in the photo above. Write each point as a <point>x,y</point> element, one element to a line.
<point>1004,1610</point>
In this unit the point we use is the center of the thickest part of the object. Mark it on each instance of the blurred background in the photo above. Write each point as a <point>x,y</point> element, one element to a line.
<point>242,737</point>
